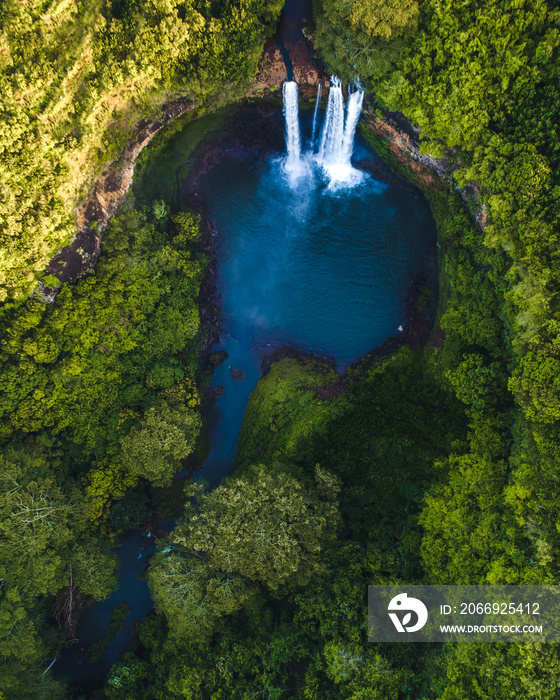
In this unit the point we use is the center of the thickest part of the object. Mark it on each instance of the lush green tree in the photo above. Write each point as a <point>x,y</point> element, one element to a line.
<point>155,448</point>
<point>470,535</point>
<point>362,40</point>
<point>40,525</point>
<point>382,19</point>
<point>502,672</point>
<point>536,384</point>
<point>128,678</point>
<point>478,384</point>
<point>265,528</point>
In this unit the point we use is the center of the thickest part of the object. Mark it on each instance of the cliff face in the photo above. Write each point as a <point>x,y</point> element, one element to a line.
<point>272,69</point>
<point>81,254</point>
<point>403,140</point>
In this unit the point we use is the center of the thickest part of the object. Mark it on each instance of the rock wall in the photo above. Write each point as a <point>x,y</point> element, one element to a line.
<point>403,139</point>
<point>81,254</point>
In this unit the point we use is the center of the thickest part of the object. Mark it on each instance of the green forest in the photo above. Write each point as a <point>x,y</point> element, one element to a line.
<point>435,465</point>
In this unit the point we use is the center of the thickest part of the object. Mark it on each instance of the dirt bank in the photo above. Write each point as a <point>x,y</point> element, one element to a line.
<point>108,191</point>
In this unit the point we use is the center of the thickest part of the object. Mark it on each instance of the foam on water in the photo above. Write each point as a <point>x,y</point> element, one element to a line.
<point>334,155</point>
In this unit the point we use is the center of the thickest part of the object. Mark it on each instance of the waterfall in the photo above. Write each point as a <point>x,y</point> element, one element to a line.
<point>337,137</point>
<point>333,127</point>
<point>353,111</point>
<point>317,103</point>
<point>291,115</point>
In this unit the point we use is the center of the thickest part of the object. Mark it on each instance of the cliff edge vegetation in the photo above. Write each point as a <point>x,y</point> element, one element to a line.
<point>76,78</point>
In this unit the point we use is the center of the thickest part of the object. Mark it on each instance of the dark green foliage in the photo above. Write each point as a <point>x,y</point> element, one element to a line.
<point>84,381</point>
<point>128,678</point>
<point>116,624</point>
<point>364,40</point>
<point>374,432</point>
<point>224,549</point>
<point>309,641</point>
<point>448,457</point>
<point>502,672</point>
<point>155,448</point>
<point>45,544</point>
<point>285,408</point>
<point>89,363</point>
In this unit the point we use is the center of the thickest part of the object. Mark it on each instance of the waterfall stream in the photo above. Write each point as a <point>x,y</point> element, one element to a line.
<point>317,103</point>
<point>333,127</point>
<point>334,153</point>
<point>353,111</point>
<point>291,115</point>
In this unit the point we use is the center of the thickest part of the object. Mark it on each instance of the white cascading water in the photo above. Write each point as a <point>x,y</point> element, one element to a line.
<point>291,115</point>
<point>353,111</point>
<point>316,111</point>
<point>333,127</point>
<point>337,138</point>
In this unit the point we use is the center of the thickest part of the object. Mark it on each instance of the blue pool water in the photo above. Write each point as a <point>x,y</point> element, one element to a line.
<point>302,265</point>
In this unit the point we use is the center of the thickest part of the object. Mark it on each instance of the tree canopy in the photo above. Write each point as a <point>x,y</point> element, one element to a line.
<point>264,527</point>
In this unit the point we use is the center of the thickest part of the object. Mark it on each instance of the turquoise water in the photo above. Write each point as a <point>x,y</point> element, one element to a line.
<point>301,265</point>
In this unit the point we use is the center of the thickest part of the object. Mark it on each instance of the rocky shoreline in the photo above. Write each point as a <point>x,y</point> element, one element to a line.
<point>421,308</point>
